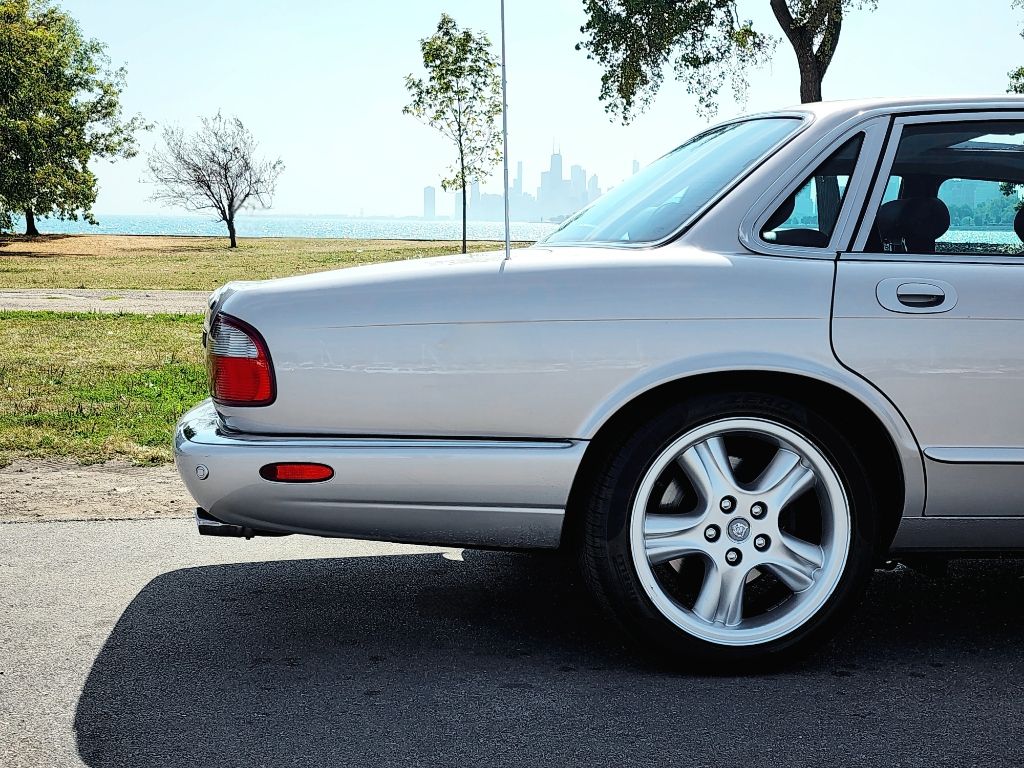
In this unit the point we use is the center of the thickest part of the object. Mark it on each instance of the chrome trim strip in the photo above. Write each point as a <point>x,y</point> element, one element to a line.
<point>361,443</point>
<point>203,427</point>
<point>974,455</point>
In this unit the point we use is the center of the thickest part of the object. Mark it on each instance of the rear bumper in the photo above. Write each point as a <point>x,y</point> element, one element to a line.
<point>464,492</point>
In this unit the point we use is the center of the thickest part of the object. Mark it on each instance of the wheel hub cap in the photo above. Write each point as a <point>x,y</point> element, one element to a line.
<point>739,529</point>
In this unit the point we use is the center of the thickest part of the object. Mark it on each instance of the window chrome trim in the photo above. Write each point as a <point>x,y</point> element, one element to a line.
<point>805,120</point>
<point>882,179</point>
<point>973,455</point>
<point>874,129</point>
<point>1005,259</point>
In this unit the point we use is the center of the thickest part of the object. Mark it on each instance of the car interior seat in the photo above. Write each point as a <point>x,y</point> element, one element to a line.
<point>808,238</point>
<point>912,225</point>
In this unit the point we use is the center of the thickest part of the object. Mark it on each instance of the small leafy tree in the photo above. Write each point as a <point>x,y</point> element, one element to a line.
<point>60,108</point>
<point>461,98</point>
<point>707,45</point>
<point>215,169</point>
<point>1017,75</point>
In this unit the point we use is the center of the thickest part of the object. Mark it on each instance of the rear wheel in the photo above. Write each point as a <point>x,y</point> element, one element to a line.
<point>729,528</point>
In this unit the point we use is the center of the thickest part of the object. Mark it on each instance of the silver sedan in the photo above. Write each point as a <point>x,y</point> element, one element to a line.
<point>789,349</point>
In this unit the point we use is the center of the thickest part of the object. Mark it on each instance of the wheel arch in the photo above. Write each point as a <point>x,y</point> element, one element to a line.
<point>883,440</point>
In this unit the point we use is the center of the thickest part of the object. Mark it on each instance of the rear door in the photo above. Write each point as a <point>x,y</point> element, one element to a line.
<point>929,303</point>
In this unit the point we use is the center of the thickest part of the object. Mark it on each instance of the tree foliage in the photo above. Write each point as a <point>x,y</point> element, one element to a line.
<point>1017,75</point>
<point>60,107</point>
<point>705,44</point>
<point>461,98</point>
<point>215,169</point>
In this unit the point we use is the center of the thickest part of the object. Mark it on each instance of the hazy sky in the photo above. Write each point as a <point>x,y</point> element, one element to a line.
<point>320,84</point>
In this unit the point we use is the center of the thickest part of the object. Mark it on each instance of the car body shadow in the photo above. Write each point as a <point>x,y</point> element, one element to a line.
<point>426,660</point>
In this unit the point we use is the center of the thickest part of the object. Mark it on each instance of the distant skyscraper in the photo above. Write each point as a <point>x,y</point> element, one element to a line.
<point>474,195</point>
<point>578,178</point>
<point>517,185</point>
<point>556,165</point>
<point>636,166</point>
<point>593,190</point>
<point>429,203</point>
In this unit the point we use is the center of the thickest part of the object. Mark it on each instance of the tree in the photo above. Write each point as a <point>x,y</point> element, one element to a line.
<point>1017,75</point>
<point>60,107</point>
<point>461,98</point>
<point>214,169</point>
<point>707,44</point>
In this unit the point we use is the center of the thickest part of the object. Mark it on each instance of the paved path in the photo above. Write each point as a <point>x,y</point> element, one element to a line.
<point>104,300</point>
<point>140,644</point>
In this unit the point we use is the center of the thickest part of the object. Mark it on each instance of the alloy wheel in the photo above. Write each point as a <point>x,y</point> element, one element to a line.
<point>740,531</point>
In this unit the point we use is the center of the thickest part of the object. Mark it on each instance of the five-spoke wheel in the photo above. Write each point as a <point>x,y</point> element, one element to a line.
<point>729,494</point>
<point>731,526</point>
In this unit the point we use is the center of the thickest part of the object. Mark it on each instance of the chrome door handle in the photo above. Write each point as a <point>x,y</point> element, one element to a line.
<point>916,295</point>
<point>920,295</point>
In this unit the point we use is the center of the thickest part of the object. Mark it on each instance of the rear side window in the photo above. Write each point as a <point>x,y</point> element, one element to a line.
<point>955,187</point>
<point>807,218</point>
<point>660,199</point>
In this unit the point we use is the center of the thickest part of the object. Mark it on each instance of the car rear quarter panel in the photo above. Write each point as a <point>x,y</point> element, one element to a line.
<point>541,346</point>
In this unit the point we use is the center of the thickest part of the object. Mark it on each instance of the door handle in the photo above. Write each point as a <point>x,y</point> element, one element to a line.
<point>920,295</point>
<point>916,295</point>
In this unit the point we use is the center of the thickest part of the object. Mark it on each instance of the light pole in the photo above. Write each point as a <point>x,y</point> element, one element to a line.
<point>504,132</point>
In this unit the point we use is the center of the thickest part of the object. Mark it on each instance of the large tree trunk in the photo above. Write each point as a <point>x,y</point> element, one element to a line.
<point>822,18</point>
<point>810,78</point>
<point>30,223</point>
<point>231,232</point>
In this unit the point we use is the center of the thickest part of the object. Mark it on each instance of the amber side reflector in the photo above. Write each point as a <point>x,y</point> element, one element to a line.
<point>296,472</point>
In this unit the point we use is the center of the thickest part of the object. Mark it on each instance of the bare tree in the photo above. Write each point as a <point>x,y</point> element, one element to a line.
<point>214,169</point>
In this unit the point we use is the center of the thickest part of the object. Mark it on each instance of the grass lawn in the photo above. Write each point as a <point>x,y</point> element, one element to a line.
<point>190,263</point>
<point>94,387</point>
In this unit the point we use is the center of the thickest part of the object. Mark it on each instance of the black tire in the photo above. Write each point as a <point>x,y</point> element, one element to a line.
<point>605,553</point>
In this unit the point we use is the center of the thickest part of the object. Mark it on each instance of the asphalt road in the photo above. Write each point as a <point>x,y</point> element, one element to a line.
<point>139,644</point>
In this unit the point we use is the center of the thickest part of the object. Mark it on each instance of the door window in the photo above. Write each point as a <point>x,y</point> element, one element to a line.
<point>808,217</point>
<point>955,187</point>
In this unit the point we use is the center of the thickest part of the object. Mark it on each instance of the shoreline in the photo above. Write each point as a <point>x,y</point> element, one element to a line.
<point>46,236</point>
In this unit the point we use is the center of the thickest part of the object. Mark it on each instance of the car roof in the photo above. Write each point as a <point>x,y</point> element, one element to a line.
<point>853,107</point>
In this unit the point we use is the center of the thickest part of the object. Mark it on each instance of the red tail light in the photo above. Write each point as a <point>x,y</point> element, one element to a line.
<point>294,472</point>
<point>238,364</point>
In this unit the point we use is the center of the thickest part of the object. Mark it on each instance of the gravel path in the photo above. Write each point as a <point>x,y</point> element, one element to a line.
<point>33,490</point>
<point>104,300</point>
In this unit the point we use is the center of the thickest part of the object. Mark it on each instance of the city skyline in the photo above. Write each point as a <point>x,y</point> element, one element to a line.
<point>556,197</point>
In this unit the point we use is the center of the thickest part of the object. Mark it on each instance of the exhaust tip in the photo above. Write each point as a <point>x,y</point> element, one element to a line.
<point>209,525</point>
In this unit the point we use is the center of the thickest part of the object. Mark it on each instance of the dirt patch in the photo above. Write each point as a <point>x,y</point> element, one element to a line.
<point>34,490</point>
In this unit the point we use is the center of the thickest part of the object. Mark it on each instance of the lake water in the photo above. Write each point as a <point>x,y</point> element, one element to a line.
<point>998,236</point>
<point>375,229</point>
<point>296,226</point>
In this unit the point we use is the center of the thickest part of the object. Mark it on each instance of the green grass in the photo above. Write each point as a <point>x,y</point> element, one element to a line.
<point>94,387</point>
<point>190,263</point>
